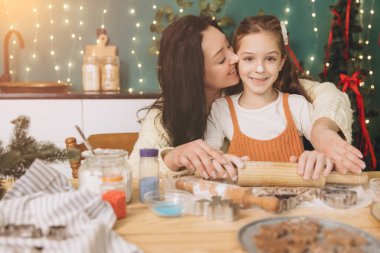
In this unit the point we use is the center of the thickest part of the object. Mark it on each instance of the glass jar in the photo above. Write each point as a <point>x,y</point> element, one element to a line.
<point>148,171</point>
<point>110,73</point>
<point>110,183</point>
<point>114,191</point>
<point>104,162</point>
<point>90,73</point>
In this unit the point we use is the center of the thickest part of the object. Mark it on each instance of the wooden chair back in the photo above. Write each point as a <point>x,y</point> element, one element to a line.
<point>124,141</point>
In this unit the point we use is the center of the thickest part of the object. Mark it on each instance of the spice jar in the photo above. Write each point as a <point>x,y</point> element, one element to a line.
<point>110,73</point>
<point>113,191</point>
<point>104,162</point>
<point>148,171</point>
<point>90,73</point>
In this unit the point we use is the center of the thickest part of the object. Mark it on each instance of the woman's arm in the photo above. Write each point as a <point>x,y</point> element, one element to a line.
<point>333,115</point>
<point>325,138</point>
<point>204,157</point>
<point>195,155</point>
<point>152,135</point>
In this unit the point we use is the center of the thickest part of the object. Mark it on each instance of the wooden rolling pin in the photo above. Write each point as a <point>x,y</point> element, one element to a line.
<point>236,194</point>
<point>285,174</point>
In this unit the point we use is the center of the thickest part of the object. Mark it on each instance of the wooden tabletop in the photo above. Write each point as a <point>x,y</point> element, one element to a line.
<point>195,234</point>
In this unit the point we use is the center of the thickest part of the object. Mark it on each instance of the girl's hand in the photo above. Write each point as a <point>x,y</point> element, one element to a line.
<point>197,156</point>
<point>230,168</point>
<point>312,163</point>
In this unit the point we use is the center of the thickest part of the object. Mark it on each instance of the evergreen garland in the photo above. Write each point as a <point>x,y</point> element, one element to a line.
<point>165,16</point>
<point>23,149</point>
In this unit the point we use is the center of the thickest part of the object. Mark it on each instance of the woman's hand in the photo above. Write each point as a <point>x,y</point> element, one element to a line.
<point>325,139</point>
<point>312,163</point>
<point>198,157</point>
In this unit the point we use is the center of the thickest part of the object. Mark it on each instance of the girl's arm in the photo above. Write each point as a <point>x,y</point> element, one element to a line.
<point>333,116</point>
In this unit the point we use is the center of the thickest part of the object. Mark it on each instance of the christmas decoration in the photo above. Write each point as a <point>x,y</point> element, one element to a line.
<point>166,13</point>
<point>344,66</point>
<point>23,149</point>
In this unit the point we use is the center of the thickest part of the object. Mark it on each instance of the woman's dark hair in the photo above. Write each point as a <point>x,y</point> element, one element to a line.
<point>287,80</point>
<point>181,77</point>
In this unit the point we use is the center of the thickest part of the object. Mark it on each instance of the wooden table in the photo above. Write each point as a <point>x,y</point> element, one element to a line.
<point>195,234</point>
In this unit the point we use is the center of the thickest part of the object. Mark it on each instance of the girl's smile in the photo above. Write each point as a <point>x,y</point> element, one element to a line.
<point>260,62</point>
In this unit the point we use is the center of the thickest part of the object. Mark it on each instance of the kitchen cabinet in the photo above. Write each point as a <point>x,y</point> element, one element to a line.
<point>54,119</point>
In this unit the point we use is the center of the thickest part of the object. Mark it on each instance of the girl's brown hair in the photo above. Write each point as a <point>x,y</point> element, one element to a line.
<point>287,80</point>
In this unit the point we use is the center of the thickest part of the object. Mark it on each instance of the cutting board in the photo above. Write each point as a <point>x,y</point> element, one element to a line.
<point>101,49</point>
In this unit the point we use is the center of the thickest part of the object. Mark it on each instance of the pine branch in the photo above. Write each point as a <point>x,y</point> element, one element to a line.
<point>24,149</point>
<point>8,161</point>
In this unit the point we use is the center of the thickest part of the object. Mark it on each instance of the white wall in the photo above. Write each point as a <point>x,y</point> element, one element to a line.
<point>54,119</point>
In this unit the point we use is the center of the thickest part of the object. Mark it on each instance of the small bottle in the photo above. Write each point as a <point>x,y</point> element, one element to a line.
<point>148,171</point>
<point>110,73</point>
<point>113,191</point>
<point>90,73</point>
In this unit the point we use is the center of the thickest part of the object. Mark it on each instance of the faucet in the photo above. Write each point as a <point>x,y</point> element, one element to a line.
<point>6,77</point>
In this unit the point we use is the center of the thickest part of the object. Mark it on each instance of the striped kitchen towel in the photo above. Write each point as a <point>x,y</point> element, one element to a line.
<point>41,198</point>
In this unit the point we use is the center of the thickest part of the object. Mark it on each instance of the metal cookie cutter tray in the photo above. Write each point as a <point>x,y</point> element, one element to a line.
<point>217,209</point>
<point>289,197</point>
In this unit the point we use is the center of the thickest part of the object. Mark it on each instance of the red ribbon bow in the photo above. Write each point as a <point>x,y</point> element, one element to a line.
<point>353,82</point>
<point>347,32</point>
<point>334,22</point>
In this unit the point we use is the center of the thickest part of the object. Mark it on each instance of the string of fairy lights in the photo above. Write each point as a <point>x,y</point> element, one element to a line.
<point>315,30</point>
<point>63,63</point>
<point>135,41</point>
<point>367,31</point>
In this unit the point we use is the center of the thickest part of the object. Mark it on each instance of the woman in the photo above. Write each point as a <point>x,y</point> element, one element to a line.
<point>195,63</point>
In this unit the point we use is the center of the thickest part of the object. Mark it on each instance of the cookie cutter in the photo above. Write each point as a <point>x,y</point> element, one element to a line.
<point>31,231</point>
<point>57,233</point>
<point>217,209</point>
<point>23,230</point>
<point>338,197</point>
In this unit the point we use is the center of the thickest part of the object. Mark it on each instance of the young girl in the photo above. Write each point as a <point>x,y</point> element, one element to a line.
<point>267,120</point>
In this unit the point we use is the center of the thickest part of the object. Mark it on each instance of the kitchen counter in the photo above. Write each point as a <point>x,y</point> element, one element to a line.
<point>78,95</point>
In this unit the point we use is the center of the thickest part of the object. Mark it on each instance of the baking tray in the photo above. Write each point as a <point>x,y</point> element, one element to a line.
<point>33,87</point>
<point>247,232</point>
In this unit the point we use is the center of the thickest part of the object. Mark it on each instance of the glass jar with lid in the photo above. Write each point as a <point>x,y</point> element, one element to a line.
<point>90,73</point>
<point>110,73</point>
<point>105,162</point>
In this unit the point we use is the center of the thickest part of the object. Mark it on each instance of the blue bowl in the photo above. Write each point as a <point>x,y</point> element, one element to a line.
<point>168,203</point>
